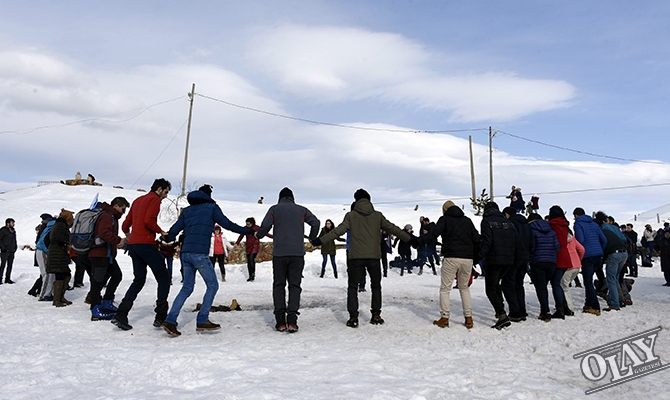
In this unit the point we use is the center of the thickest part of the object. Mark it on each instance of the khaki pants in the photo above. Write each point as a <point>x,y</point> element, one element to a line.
<point>568,277</point>
<point>451,266</point>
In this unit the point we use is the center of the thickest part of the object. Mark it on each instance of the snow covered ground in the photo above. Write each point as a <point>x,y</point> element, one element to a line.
<point>50,352</point>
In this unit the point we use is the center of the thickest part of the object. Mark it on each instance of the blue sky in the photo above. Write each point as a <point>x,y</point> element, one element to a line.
<point>589,76</point>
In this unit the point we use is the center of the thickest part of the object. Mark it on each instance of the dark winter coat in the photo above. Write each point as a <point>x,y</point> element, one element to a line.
<point>525,235</point>
<point>404,248</point>
<point>663,248</point>
<point>329,248</point>
<point>107,229</point>
<point>288,220</point>
<point>560,226</point>
<point>8,240</point>
<point>364,225</point>
<point>589,234</point>
<point>197,221</point>
<point>499,238</point>
<point>460,238</point>
<point>251,245</point>
<point>58,257</point>
<point>614,242</point>
<point>545,243</point>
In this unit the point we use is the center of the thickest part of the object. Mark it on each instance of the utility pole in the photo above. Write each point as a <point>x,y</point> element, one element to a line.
<point>188,138</point>
<point>472,171</point>
<point>491,162</point>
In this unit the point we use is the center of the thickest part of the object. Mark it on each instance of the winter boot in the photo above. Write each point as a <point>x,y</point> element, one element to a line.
<point>568,312</point>
<point>352,322</point>
<point>98,313</point>
<point>35,290</point>
<point>121,317</point>
<point>171,329</point>
<point>559,314</point>
<point>223,277</point>
<point>376,319</point>
<point>58,294</point>
<point>108,305</point>
<point>161,311</point>
<point>468,322</point>
<point>207,326</point>
<point>335,274</point>
<point>503,322</point>
<point>442,322</point>
<point>420,271</point>
<point>434,271</point>
<point>62,296</point>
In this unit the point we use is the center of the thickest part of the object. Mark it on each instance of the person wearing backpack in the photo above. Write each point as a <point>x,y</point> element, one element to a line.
<point>141,243</point>
<point>58,257</point>
<point>103,259</point>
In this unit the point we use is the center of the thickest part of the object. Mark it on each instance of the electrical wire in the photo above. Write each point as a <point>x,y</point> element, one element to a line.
<point>103,119</point>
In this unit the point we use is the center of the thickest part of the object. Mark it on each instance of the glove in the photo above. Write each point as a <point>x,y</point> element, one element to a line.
<point>316,242</point>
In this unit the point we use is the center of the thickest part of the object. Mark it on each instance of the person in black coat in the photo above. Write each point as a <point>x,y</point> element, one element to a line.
<point>498,248</point>
<point>8,247</point>
<point>512,282</point>
<point>58,258</point>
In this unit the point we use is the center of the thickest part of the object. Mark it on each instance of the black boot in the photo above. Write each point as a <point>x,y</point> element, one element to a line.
<point>560,314</point>
<point>37,286</point>
<point>567,310</point>
<point>121,317</point>
<point>161,311</point>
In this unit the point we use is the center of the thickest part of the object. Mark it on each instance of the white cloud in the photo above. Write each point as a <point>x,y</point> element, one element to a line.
<point>341,64</point>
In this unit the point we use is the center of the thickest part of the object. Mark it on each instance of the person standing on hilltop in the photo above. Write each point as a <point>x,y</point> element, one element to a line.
<point>8,247</point>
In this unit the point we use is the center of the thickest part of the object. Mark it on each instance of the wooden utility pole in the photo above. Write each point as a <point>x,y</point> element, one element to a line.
<point>491,163</point>
<point>188,138</point>
<point>472,171</point>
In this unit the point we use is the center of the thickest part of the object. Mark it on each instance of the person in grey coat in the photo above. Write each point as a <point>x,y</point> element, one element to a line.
<point>288,255</point>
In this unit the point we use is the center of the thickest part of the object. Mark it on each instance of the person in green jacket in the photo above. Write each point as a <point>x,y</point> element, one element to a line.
<point>364,225</point>
<point>329,249</point>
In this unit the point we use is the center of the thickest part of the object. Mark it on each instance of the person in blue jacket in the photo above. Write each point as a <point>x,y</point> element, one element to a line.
<point>589,234</point>
<point>197,221</point>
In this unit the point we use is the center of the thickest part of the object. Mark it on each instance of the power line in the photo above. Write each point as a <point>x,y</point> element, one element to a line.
<point>580,151</point>
<point>103,119</point>
<point>310,121</point>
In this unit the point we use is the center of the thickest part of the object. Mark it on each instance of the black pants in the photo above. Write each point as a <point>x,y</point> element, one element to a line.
<point>356,268</point>
<point>6,259</point>
<point>143,256</point>
<point>385,262</point>
<point>494,274</point>
<point>82,265</point>
<point>521,270</point>
<point>251,265</point>
<point>221,258</point>
<point>287,270</point>
<point>508,286</point>
<point>102,270</point>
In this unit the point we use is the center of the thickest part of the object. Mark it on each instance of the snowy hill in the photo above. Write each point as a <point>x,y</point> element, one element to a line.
<point>50,352</point>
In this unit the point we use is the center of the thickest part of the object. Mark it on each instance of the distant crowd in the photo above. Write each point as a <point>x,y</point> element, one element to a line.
<point>507,246</point>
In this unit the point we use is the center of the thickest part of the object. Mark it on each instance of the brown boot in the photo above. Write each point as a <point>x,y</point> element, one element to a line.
<point>223,278</point>
<point>468,322</point>
<point>442,322</point>
<point>58,294</point>
<point>62,296</point>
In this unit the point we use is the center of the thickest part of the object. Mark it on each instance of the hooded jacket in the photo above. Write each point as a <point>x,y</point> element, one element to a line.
<point>576,252</point>
<point>589,234</point>
<point>58,257</point>
<point>364,225</point>
<point>545,243</point>
<point>287,220</point>
<point>560,226</point>
<point>197,221</point>
<point>460,238</point>
<point>525,235</point>
<point>499,238</point>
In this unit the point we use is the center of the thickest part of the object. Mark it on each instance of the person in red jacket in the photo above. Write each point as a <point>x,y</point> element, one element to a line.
<point>143,219</point>
<point>559,224</point>
<point>103,259</point>
<point>252,247</point>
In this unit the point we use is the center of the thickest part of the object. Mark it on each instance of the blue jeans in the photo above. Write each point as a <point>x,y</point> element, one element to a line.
<point>589,265</point>
<point>613,267</point>
<point>325,261</point>
<point>556,289</point>
<point>192,262</point>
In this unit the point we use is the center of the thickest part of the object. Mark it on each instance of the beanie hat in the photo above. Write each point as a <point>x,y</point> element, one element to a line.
<point>286,192</point>
<point>407,227</point>
<point>447,205</point>
<point>509,210</point>
<point>46,217</point>
<point>361,194</point>
<point>207,189</point>
<point>67,215</point>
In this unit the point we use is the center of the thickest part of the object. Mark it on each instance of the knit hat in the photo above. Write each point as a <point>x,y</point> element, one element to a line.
<point>207,189</point>
<point>286,192</point>
<point>67,215</point>
<point>361,194</point>
<point>46,217</point>
<point>407,227</point>
<point>447,205</point>
<point>490,205</point>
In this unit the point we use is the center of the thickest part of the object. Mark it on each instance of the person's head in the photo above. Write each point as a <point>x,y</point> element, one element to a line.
<point>426,220</point>
<point>555,212</point>
<point>46,217</point>
<point>329,224</point>
<point>249,222</point>
<point>491,205</point>
<point>207,189</point>
<point>666,224</point>
<point>629,227</point>
<point>286,192</point>
<point>648,227</point>
<point>161,187</point>
<point>408,228</point>
<point>534,217</point>
<point>666,233</point>
<point>447,205</point>
<point>578,212</point>
<point>509,211</point>
<point>120,203</point>
<point>513,187</point>
<point>217,229</point>
<point>10,222</point>
<point>361,194</point>
<point>601,217</point>
<point>66,215</point>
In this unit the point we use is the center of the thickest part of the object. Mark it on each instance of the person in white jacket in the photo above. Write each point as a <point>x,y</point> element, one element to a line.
<point>219,250</point>
<point>576,252</point>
